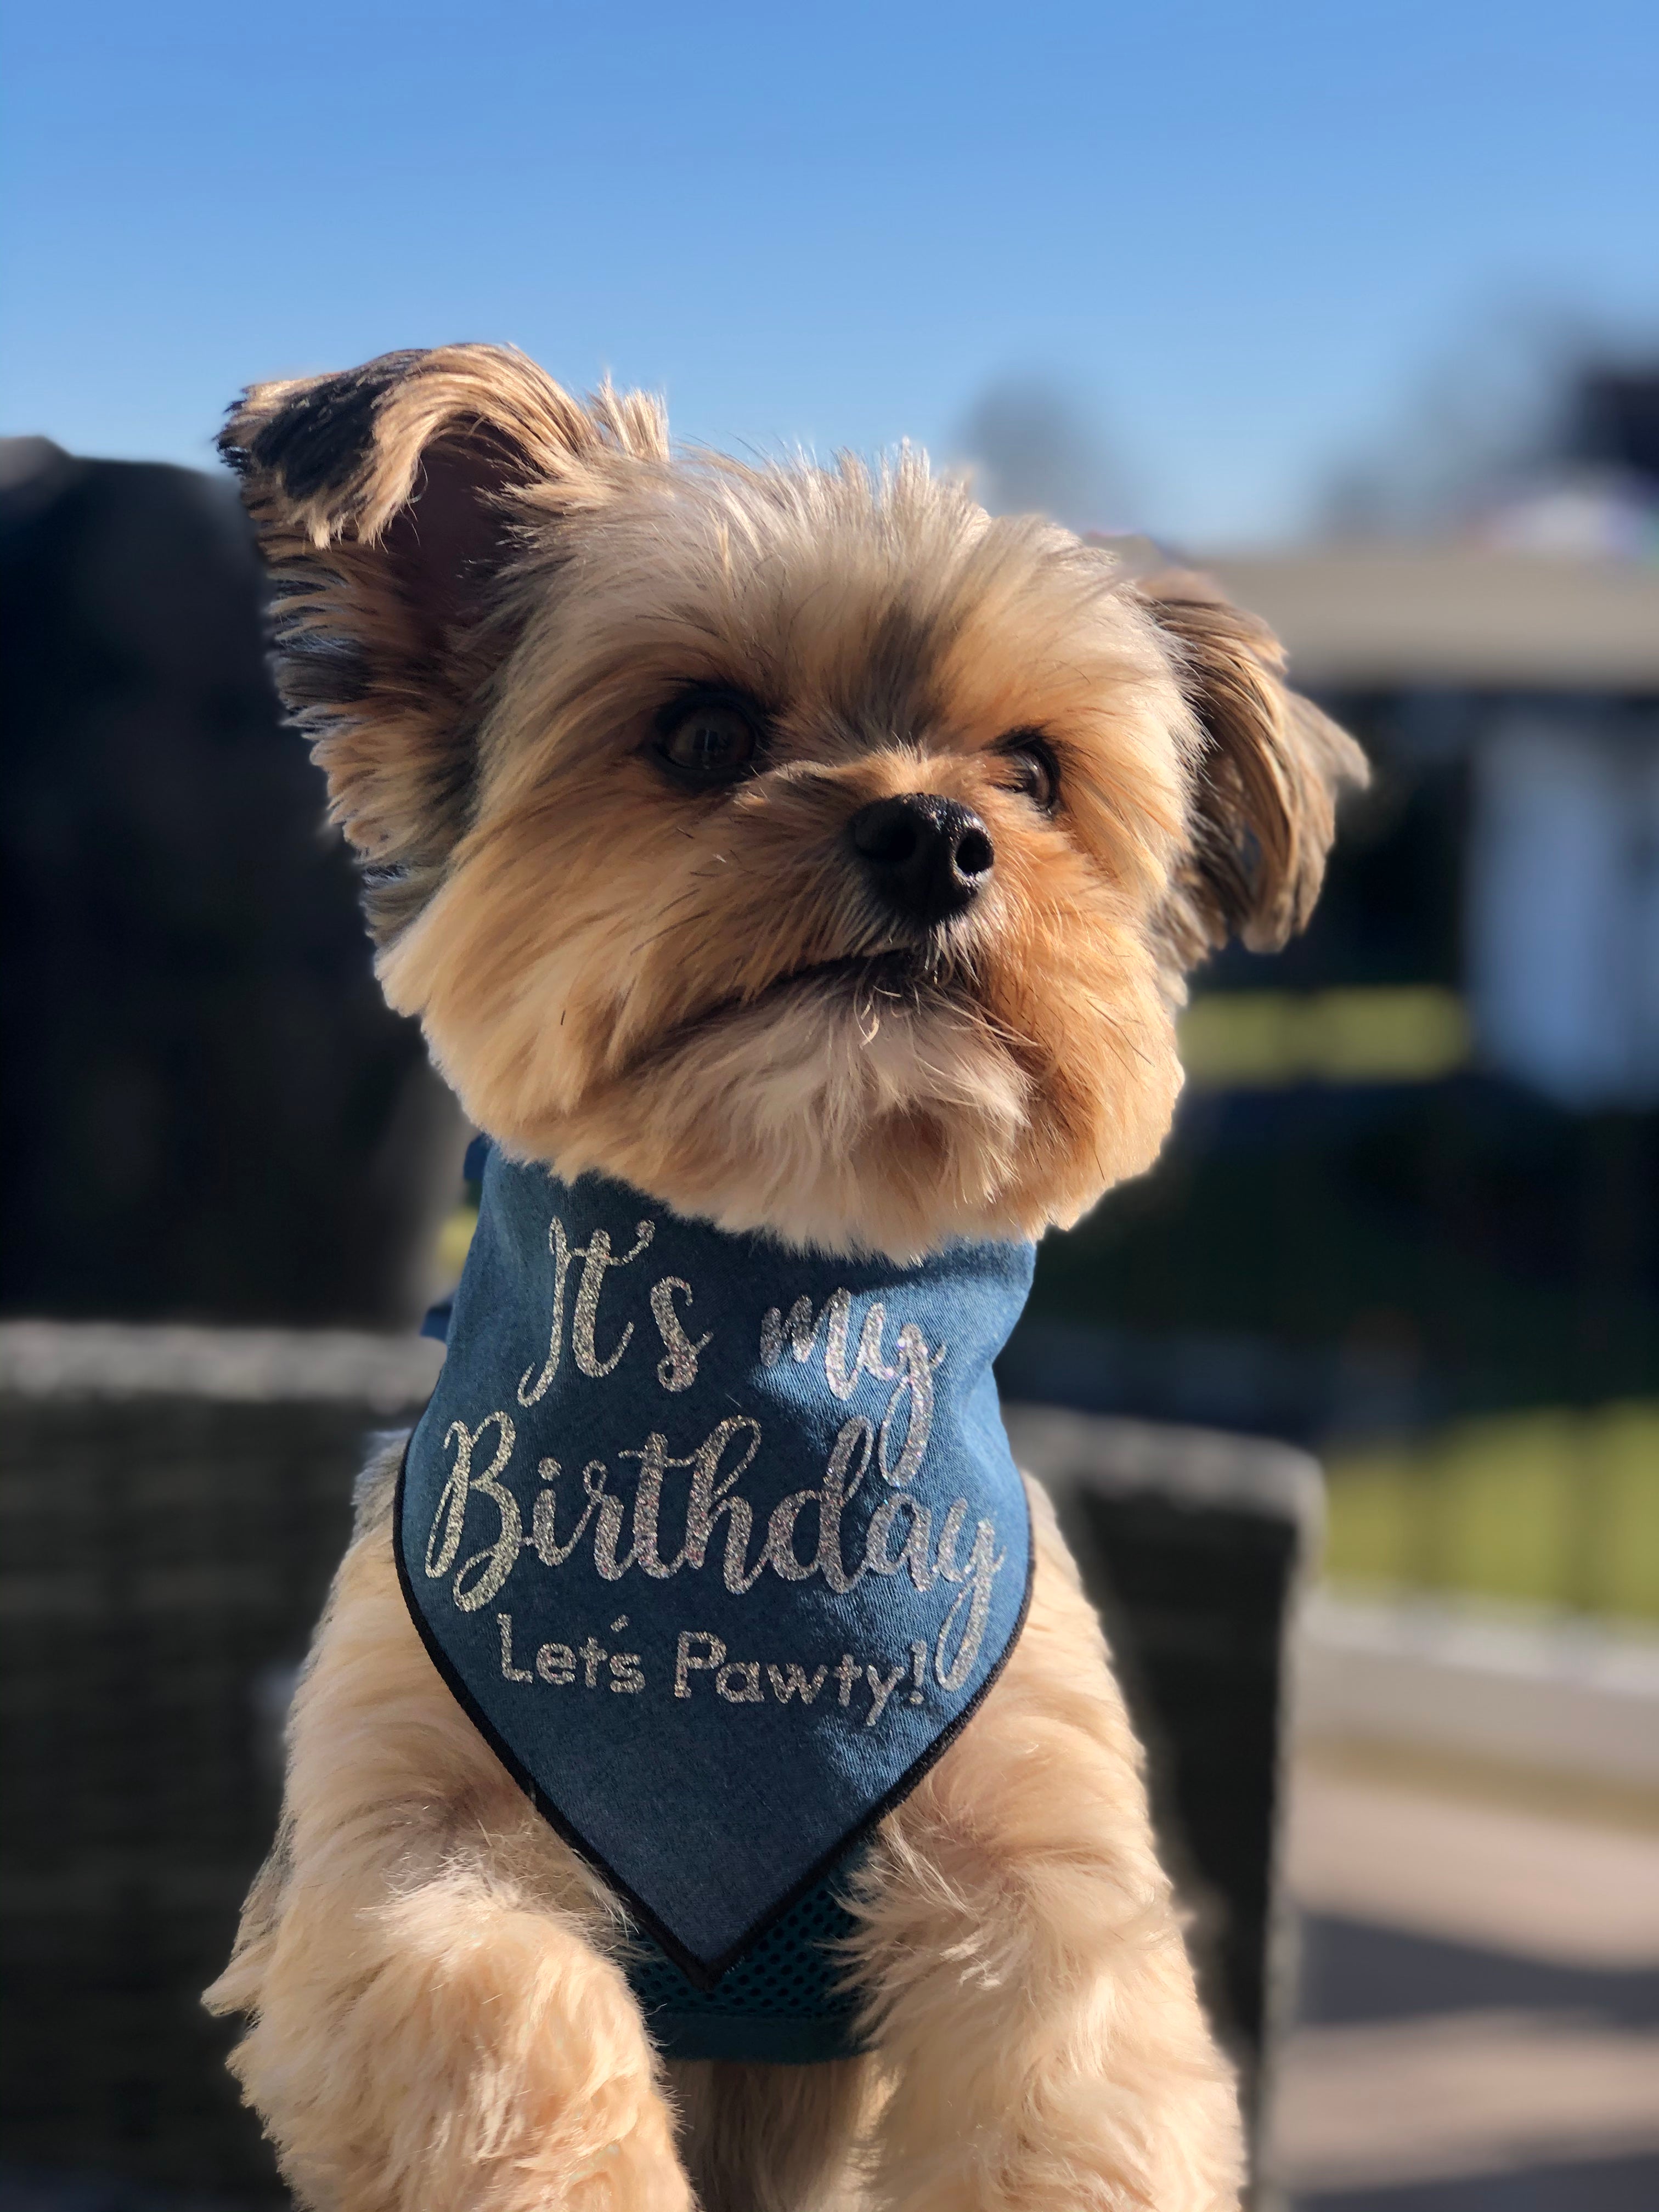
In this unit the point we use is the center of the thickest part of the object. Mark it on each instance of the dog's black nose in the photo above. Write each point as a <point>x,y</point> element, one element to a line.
<point>928,857</point>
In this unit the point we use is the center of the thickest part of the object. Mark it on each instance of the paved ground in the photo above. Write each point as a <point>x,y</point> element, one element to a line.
<point>1479,2003</point>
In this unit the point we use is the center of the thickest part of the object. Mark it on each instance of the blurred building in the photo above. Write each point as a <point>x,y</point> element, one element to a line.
<point>1416,1170</point>
<point>1530,684</point>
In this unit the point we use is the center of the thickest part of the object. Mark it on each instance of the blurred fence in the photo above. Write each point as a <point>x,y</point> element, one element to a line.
<point>172,1502</point>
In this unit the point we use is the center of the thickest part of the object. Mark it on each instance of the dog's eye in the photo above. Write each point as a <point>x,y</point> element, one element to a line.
<point>710,740</point>
<point>1032,768</point>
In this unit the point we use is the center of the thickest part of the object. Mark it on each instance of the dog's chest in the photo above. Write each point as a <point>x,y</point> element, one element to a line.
<point>718,1543</point>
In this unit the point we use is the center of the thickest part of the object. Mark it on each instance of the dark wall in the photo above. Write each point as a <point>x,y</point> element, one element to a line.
<point>207,1109</point>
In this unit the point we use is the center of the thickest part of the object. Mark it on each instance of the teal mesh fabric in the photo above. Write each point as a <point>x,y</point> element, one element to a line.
<point>780,2002</point>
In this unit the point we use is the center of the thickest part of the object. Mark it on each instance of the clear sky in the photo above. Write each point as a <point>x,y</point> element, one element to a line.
<point>1237,233</point>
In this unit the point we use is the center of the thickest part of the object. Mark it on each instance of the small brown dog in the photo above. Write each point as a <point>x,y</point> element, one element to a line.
<point>597,717</point>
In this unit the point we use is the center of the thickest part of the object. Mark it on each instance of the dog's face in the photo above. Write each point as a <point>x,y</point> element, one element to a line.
<point>808,849</point>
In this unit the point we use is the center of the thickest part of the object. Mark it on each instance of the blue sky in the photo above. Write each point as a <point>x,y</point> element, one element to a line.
<point>1237,235</point>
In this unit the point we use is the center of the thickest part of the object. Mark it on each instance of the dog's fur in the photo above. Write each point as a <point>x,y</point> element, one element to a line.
<point>488,595</point>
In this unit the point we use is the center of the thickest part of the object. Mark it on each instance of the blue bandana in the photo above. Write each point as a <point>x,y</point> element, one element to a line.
<point>718,1543</point>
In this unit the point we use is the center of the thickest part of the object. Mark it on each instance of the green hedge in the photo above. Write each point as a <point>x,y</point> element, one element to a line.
<point>1557,1507</point>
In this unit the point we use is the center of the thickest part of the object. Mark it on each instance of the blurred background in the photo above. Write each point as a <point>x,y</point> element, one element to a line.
<point>1356,308</point>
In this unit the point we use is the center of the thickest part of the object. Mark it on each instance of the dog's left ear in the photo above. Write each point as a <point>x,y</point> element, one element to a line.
<point>394,503</point>
<point>1266,778</point>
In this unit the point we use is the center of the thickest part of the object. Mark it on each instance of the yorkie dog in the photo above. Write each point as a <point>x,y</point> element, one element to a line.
<point>707,1785</point>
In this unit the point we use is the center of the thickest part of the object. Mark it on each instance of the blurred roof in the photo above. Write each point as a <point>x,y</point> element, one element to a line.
<point>1359,616</point>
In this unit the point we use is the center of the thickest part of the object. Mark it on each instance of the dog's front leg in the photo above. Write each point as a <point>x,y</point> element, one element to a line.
<point>1031,1992</point>
<point>434,2025</point>
<point>452,2049</point>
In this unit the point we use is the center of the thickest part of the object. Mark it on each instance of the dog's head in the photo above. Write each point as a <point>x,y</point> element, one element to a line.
<point>805,847</point>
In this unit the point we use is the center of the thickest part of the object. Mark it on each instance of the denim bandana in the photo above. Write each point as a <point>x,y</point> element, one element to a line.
<point>718,1543</point>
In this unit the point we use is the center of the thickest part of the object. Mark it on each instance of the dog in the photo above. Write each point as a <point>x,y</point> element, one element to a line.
<point>797,869</point>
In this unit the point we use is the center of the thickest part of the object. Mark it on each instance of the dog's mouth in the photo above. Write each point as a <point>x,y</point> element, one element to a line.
<point>870,984</point>
<point>903,973</point>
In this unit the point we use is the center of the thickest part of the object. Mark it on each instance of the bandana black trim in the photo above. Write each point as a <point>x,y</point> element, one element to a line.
<point>702,1974</point>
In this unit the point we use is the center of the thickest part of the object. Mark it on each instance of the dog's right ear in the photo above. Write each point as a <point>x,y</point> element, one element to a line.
<point>389,502</point>
<point>1267,777</point>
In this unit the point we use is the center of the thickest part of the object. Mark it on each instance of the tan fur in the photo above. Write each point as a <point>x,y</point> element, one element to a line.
<point>488,594</point>
<point>604,969</point>
<point>774,2138</point>
<point>618,1038</point>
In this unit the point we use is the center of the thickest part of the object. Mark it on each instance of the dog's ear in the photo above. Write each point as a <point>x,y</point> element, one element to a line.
<point>391,502</point>
<point>1268,772</point>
